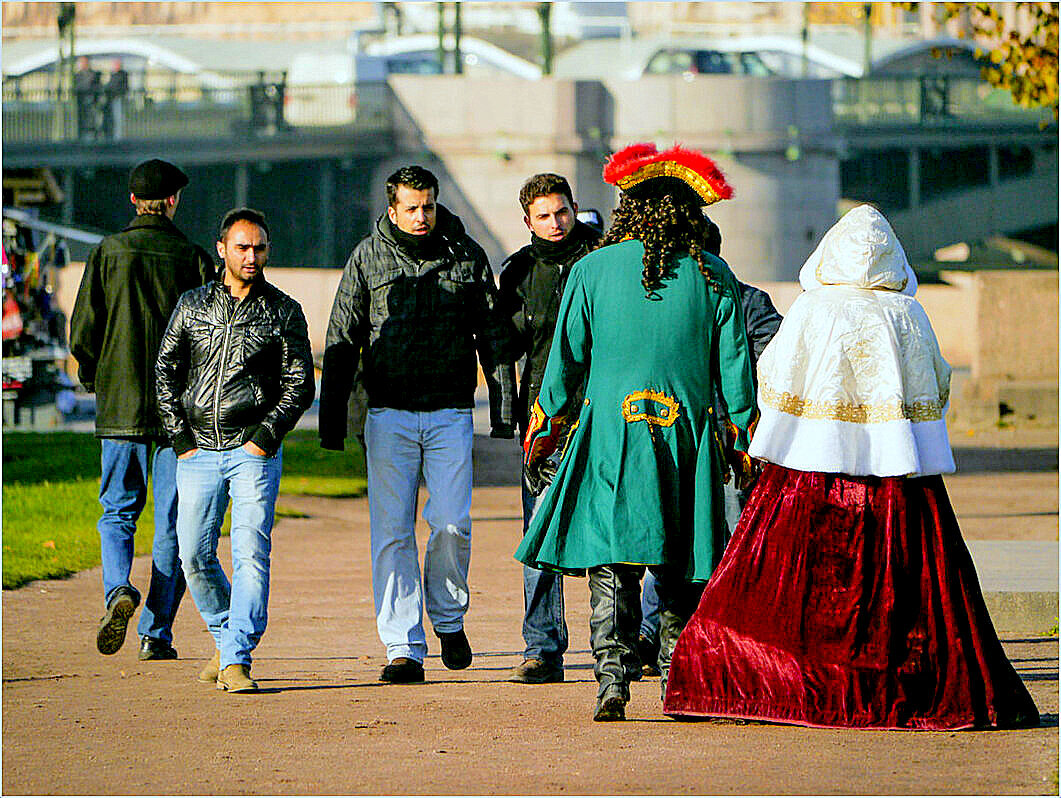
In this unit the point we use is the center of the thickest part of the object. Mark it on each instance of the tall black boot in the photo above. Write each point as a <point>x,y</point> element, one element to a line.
<point>678,601</point>
<point>615,617</point>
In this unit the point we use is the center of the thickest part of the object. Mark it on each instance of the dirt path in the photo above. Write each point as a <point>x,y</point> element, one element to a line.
<point>77,722</point>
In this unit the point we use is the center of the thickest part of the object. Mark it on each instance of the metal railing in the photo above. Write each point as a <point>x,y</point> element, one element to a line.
<point>929,100</point>
<point>255,110</point>
<point>262,109</point>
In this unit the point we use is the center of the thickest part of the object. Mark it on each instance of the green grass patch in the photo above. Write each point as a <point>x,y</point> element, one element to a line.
<point>310,470</point>
<point>51,498</point>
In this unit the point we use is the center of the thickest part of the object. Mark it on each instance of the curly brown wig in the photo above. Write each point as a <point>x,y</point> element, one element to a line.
<point>668,226</point>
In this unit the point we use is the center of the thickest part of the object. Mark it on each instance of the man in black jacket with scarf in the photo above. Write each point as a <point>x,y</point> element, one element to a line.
<point>131,284</point>
<point>416,303</point>
<point>532,282</point>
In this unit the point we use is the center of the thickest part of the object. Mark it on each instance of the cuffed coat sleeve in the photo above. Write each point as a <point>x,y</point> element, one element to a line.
<point>296,382</point>
<point>171,374</point>
<point>88,322</point>
<point>494,344</point>
<point>732,355</point>
<point>568,364</point>
<point>347,333</point>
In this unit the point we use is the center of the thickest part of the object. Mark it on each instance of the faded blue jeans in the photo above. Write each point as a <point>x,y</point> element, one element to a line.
<point>544,626</point>
<point>236,612</point>
<point>398,445</point>
<point>123,494</point>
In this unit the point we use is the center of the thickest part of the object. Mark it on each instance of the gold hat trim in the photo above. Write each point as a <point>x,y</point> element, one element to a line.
<point>671,169</point>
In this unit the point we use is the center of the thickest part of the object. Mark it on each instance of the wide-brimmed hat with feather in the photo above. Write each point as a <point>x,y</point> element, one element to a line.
<point>642,170</point>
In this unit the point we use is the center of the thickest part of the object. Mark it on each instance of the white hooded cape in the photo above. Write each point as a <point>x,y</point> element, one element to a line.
<point>854,382</point>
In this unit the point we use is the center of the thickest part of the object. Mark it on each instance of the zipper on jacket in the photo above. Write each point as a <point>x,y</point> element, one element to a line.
<point>221,373</point>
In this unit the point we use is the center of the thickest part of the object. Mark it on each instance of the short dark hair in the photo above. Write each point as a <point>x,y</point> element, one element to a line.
<point>241,215</point>
<point>415,177</point>
<point>543,185</point>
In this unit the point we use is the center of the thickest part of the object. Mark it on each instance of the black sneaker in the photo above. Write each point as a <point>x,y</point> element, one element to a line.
<point>402,670</point>
<point>456,653</point>
<point>153,648</point>
<point>111,633</point>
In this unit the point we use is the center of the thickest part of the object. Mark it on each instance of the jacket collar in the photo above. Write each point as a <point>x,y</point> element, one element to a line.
<point>448,227</point>
<point>258,287</point>
<point>153,221</point>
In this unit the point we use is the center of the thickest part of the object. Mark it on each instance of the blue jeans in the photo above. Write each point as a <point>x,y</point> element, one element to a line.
<point>650,602</point>
<point>235,613</point>
<point>398,444</point>
<point>544,627</point>
<point>123,494</point>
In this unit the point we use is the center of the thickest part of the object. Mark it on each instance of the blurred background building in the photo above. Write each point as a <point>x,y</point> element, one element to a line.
<point>303,109</point>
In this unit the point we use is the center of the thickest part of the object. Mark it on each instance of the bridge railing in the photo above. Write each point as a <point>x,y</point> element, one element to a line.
<point>263,108</point>
<point>929,100</point>
<point>255,110</point>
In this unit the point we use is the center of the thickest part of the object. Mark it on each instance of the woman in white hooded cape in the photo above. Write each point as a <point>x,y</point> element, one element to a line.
<point>847,596</point>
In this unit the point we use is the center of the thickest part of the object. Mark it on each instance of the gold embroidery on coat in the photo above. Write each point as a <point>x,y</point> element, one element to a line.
<point>667,414</point>
<point>838,410</point>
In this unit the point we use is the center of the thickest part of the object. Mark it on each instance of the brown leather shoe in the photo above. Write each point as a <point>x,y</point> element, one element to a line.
<point>536,671</point>
<point>208,675</point>
<point>236,678</point>
<point>611,704</point>
<point>111,632</point>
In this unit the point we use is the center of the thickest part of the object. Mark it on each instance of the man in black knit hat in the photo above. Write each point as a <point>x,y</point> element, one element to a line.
<point>131,284</point>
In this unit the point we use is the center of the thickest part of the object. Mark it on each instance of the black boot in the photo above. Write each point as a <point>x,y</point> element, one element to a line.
<point>615,617</point>
<point>678,601</point>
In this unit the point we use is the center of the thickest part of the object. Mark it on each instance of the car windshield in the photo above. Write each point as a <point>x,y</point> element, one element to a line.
<point>706,62</point>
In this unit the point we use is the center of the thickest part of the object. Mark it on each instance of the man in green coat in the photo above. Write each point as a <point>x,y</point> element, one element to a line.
<point>652,324</point>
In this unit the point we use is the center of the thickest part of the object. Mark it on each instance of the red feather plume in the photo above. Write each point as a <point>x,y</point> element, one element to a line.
<point>630,159</point>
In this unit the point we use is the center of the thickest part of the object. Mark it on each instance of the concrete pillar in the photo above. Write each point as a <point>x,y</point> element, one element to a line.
<point>242,186</point>
<point>326,236</point>
<point>914,179</point>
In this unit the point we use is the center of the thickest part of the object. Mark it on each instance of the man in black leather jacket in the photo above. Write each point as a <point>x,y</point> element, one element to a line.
<point>234,373</point>
<point>532,282</point>
<point>130,285</point>
<point>416,302</point>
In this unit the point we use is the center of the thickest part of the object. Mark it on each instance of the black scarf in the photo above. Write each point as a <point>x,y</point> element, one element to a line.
<point>562,251</point>
<point>425,247</point>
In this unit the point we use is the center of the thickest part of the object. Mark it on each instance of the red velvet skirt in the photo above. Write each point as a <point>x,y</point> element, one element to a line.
<point>851,602</point>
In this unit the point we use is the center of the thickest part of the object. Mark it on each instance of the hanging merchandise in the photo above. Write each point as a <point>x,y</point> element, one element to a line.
<point>35,385</point>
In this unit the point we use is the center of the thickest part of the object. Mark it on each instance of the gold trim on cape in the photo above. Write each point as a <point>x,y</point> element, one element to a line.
<point>667,415</point>
<point>838,410</point>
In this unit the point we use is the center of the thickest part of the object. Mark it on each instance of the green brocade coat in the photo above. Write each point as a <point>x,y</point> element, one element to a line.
<point>641,478</point>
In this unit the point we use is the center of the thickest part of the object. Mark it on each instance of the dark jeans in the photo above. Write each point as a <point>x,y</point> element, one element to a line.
<point>123,494</point>
<point>544,627</point>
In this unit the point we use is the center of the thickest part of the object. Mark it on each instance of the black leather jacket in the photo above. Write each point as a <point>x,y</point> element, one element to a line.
<point>229,372</point>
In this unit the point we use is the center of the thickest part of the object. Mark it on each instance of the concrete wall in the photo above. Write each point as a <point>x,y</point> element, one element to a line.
<point>965,337</point>
<point>773,139</point>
